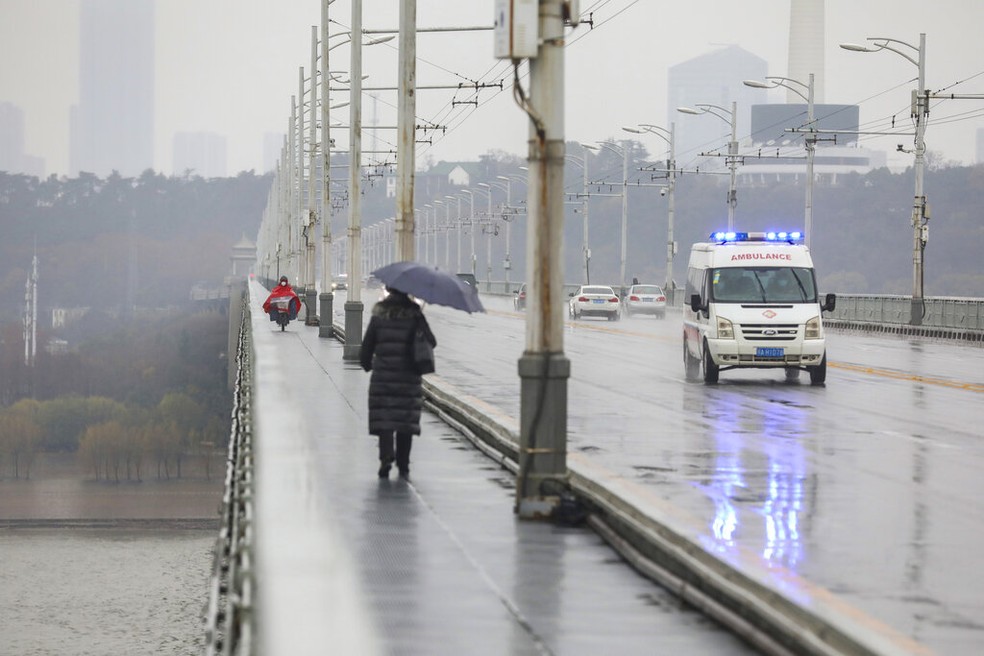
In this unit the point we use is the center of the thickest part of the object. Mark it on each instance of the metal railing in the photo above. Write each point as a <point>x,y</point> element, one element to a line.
<point>945,316</point>
<point>228,629</point>
<point>941,311</point>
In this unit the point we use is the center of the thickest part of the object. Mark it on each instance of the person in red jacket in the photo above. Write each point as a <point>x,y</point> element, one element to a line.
<point>281,290</point>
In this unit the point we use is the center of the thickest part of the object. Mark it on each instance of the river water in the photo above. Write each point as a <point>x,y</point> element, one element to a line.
<point>95,568</point>
<point>103,590</point>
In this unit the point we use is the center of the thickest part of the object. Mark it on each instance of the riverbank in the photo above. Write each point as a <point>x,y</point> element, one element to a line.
<point>60,494</point>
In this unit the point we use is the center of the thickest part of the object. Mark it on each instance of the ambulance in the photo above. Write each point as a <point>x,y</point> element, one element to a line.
<point>752,301</point>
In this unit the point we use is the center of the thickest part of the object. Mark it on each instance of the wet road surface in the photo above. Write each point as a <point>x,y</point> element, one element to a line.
<point>869,486</point>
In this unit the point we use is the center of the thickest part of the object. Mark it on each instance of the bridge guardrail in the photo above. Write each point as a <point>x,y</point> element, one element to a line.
<point>945,317</point>
<point>228,629</point>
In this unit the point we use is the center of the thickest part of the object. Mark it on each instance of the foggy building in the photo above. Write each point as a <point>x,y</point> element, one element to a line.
<point>200,153</point>
<point>112,127</point>
<point>13,159</point>
<point>273,143</point>
<point>714,78</point>
<point>806,51</point>
<point>777,151</point>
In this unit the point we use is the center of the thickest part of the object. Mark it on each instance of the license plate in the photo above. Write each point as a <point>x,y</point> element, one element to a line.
<point>647,300</point>
<point>765,352</point>
<point>598,300</point>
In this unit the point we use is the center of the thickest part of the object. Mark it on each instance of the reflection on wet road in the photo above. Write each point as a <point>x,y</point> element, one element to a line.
<point>869,486</point>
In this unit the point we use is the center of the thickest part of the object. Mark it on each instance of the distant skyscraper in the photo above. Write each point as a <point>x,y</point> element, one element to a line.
<point>12,156</point>
<point>11,137</point>
<point>273,143</point>
<point>203,153</point>
<point>112,127</point>
<point>806,53</point>
<point>716,79</point>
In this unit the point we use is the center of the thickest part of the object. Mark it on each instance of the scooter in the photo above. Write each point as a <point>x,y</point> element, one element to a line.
<point>280,309</point>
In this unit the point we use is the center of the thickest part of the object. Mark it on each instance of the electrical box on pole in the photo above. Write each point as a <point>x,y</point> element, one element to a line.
<point>516,29</point>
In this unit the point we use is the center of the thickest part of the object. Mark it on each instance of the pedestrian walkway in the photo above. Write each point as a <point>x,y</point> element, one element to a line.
<point>349,563</point>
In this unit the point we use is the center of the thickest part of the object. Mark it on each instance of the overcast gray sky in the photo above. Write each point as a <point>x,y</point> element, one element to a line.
<point>231,66</point>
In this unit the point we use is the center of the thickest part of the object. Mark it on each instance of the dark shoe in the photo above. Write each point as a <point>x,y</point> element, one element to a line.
<point>405,473</point>
<point>384,468</point>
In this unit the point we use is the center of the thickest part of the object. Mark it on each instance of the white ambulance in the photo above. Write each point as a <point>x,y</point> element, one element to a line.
<point>752,301</point>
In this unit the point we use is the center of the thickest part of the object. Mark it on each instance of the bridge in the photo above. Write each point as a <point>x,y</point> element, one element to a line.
<point>756,516</point>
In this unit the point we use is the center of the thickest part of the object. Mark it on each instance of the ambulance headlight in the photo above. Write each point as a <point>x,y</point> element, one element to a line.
<point>813,329</point>
<point>725,329</point>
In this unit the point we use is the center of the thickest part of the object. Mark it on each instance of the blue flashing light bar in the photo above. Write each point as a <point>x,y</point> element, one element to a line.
<point>774,236</point>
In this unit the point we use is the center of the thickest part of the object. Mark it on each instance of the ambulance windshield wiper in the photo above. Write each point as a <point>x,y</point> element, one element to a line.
<point>799,283</point>
<point>759,283</point>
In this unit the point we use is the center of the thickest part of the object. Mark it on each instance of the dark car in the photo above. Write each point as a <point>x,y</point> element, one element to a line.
<point>519,299</point>
<point>468,278</point>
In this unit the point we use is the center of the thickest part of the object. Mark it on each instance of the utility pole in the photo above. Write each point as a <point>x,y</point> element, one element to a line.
<point>353,303</point>
<point>325,323</point>
<point>585,249</point>
<point>920,112</point>
<point>311,294</point>
<point>543,367</point>
<point>406,135</point>
<point>920,107</point>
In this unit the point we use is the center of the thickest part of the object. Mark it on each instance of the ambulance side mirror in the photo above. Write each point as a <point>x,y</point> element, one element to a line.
<point>695,302</point>
<point>829,302</point>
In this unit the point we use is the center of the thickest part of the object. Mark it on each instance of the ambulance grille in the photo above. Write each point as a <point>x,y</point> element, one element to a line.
<point>769,332</point>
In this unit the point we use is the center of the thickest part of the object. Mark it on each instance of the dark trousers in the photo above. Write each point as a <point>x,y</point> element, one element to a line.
<point>401,452</point>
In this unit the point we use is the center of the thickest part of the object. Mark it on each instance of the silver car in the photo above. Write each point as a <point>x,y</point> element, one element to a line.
<point>644,299</point>
<point>594,301</point>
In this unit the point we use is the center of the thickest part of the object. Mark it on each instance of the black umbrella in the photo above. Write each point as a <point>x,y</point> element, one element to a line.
<point>430,284</point>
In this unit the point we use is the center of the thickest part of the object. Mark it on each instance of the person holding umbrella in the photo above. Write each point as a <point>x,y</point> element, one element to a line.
<point>396,394</point>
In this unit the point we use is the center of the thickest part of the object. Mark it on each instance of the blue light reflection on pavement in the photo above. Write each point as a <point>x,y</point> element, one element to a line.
<point>773,490</point>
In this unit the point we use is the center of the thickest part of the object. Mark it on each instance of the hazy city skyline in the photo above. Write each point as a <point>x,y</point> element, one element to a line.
<point>230,68</point>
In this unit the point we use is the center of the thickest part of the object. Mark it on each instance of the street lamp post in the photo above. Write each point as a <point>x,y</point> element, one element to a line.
<point>447,231</point>
<point>669,136</point>
<point>506,261</point>
<point>325,322</point>
<point>732,160</point>
<point>471,223</point>
<point>811,139</point>
<point>585,250</point>
<point>920,109</point>
<point>624,152</point>
<point>488,237</point>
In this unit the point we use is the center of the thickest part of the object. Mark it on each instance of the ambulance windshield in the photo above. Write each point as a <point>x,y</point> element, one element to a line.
<point>763,285</point>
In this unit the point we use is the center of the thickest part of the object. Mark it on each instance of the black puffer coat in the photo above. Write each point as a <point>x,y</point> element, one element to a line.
<point>395,391</point>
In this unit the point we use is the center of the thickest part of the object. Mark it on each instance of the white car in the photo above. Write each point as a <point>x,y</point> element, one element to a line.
<point>644,299</point>
<point>594,301</point>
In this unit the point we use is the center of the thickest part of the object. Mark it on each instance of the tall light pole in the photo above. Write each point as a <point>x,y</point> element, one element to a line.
<point>810,141</point>
<point>471,223</point>
<point>353,301</point>
<point>447,230</point>
<point>325,322</point>
<point>502,186</point>
<point>488,236</point>
<point>732,159</point>
<point>585,250</point>
<point>920,110</point>
<point>311,295</point>
<point>623,151</point>
<point>507,261</point>
<point>669,136</point>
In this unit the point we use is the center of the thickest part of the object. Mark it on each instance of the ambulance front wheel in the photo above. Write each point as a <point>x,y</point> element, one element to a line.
<point>818,374</point>
<point>691,364</point>
<point>711,370</point>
